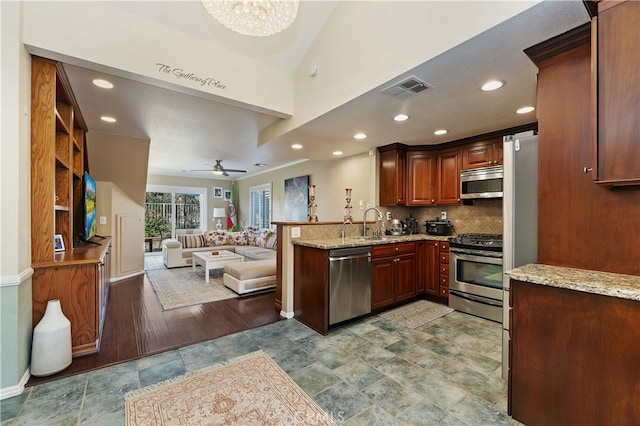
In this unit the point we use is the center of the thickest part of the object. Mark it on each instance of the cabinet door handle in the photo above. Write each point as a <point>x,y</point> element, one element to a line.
<point>587,169</point>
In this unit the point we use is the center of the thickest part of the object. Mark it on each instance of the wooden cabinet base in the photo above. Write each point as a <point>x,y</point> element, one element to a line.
<point>574,357</point>
<point>81,282</point>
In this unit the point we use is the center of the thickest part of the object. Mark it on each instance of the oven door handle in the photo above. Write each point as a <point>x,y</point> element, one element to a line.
<point>477,299</point>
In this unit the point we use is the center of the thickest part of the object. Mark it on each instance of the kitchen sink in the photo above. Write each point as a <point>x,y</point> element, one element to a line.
<point>369,238</point>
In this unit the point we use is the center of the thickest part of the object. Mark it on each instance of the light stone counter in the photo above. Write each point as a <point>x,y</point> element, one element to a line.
<point>334,243</point>
<point>604,283</point>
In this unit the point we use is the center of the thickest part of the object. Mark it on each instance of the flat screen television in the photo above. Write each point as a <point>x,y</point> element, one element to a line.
<point>90,216</point>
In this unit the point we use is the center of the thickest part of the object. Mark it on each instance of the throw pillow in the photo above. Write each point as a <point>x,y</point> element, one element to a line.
<point>272,242</point>
<point>215,238</point>
<point>237,239</point>
<point>262,237</point>
<point>191,241</point>
<point>250,233</point>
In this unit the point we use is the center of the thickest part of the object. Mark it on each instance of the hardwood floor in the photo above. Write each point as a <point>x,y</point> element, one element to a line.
<point>136,326</point>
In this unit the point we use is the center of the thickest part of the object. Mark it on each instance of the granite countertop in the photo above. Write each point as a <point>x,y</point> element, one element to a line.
<point>334,243</point>
<point>604,283</point>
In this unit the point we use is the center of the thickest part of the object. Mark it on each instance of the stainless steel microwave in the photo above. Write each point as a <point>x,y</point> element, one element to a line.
<point>486,182</point>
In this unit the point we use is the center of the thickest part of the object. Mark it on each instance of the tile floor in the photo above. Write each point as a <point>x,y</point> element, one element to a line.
<point>370,372</point>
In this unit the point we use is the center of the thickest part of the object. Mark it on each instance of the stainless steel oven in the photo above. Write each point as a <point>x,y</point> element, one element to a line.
<point>475,282</point>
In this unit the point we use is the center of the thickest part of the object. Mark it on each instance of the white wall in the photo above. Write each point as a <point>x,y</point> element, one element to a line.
<point>15,219</point>
<point>127,252</point>
<point>330,177</point>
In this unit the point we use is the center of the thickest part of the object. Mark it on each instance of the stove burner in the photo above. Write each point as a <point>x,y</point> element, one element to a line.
<point>491,242</point>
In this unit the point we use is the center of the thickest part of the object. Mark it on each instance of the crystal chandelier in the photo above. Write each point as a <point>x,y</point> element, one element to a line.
<point>255,18</point>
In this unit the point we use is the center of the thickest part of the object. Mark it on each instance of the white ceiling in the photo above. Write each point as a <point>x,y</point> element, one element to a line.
<point>189,132</point>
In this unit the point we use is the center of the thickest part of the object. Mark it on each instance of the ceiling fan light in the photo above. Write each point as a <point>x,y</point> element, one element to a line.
<point>218,172</point>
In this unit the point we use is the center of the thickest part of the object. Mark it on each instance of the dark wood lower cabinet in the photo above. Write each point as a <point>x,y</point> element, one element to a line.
<point>393,274</point>
<point>575,357</point>
<point>311,287</point>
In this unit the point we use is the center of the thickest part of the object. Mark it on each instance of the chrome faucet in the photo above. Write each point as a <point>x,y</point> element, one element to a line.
<point>343,228</point>
<point>364,219</point>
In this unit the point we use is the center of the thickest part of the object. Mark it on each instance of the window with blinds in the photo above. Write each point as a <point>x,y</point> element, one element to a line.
<point>260,197</point>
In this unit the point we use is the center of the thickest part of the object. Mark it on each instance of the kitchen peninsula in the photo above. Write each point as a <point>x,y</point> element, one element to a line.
<point>575,345</point>
<point>402,268</point>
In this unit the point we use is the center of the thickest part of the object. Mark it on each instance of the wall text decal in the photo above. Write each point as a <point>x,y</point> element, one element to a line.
<point>182,74</point>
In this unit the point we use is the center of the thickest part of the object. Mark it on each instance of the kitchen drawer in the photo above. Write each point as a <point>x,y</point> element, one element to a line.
<point>444,258</point>
<point>444,280</point>
<point>393,249</point>
<point>444,269</point>
<point>444,247</point>
<point>444,291</point>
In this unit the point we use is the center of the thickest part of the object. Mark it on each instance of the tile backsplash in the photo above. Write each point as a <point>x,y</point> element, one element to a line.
<point>484,216</point>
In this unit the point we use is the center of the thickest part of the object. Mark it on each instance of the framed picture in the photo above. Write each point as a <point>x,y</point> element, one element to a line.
<point>217,192</point>
<point>58,242</point>
<point>227,194</point>
<point>296,199</point>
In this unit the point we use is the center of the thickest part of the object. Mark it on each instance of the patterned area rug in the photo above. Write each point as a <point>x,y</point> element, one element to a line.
<point>250,390</point>
<point>180,287</point>
<point>416,314</point>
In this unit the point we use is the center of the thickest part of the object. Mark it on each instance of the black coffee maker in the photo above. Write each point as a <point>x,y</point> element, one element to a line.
<point>411,225</point>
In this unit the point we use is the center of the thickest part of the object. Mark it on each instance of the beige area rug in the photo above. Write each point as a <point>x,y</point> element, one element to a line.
<point>417,313</point>
<point>250,390</point>
<point>180,287</point>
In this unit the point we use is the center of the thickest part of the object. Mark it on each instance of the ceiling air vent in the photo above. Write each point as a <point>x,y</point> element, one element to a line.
<point>406,87</point>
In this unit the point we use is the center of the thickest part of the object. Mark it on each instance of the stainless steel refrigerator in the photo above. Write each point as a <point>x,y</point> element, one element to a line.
<point>519,218</point>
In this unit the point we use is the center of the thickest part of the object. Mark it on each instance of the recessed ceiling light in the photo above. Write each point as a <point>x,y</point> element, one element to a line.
<point>337,152</point>
<point>103,83</point>
<point>108,119</point>
<point>360,136</point>
<point>259,164</point>
<point>492,85</point>
<point>525,110</point>
<point>441,132</point>
<point>401,117</point>
<point>296,146</point>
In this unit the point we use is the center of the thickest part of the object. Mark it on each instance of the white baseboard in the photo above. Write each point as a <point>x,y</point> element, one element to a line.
<point>287,315</point>
<point>17,389</point>
<point>124,277</point>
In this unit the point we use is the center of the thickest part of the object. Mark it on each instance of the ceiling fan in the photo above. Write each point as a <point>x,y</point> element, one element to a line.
<point>219,170</point>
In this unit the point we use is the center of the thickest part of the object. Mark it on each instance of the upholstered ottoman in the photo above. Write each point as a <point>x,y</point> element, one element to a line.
<point>246,277</point>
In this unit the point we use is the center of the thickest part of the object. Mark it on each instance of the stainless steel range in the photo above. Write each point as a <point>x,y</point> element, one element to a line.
<point>475,281</point>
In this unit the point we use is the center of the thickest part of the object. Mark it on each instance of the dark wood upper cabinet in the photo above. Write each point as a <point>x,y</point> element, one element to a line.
<point>482,154</point>
<point>616,87</point>
<point>421,189</point>
<point>448,183</point>
<point>392,175</point>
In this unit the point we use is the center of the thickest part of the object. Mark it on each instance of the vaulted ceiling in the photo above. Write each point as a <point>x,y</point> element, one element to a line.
<point>190,132</point>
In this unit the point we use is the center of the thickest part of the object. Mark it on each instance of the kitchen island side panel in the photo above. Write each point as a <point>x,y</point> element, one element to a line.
<point>311,287</point>
<point>574,357</point>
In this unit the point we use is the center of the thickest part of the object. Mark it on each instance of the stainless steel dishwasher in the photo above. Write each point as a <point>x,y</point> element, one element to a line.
<point>349,283</point>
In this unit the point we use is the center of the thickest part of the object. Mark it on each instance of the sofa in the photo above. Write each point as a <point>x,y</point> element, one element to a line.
<point>257,272</point>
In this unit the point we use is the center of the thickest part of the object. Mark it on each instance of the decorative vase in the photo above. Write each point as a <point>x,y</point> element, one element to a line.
<point>348,218</point>
<point>313,207</point>
<point>51,347</point>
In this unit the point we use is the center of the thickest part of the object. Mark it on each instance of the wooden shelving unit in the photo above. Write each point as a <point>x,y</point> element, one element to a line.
<point>79,276</point>
<point>57,157</point>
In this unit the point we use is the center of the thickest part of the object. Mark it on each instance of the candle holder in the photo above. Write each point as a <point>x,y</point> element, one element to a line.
<point>313,207</point>
<point>348,218</point>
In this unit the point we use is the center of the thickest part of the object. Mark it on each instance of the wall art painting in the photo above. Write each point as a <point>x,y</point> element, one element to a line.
<point>296,199</point>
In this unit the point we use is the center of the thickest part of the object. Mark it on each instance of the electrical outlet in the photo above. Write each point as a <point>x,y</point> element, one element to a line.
<point>103,220</point>
<point>388,215</point>
<point>361,205</point>
<point>443,215</point>
<point>295,232</point>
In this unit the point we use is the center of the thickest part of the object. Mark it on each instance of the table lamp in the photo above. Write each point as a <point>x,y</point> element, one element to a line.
<point>219,212</point>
